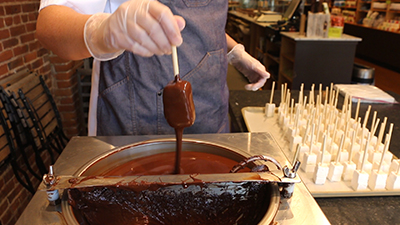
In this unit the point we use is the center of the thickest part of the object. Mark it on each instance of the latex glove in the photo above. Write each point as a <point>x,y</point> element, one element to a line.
<point>249,66</point>
<point>144,27</point>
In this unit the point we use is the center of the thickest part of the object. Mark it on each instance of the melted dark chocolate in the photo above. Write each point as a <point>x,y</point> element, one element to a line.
<point>163,163</point>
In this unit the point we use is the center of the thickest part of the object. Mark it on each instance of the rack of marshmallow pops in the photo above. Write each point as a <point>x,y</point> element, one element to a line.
<point>331,145</point>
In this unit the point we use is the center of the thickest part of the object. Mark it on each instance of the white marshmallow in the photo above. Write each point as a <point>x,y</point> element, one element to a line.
<point>344,156</point>
<point>374,156</point>
<point>309,162</point>
<point>327,157</point>
<point>348,170</point>
<point>367,166</point>
<point>373,141</point>
<point>384,168</point>
<point>393,181</point>
<point>335,171</point>
<point>358,157</point>
<point>303,149</point>
<point>320,173</point>
<point>269,109</point>
<point>377,180</point>
<point>316,147</point>
<point>294,140</point>
<point>394,166</point>
<point>388,157</point>
<point>359,180</point>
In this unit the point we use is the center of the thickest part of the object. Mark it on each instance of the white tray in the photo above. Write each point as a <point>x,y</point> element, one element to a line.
<point>256,121</point>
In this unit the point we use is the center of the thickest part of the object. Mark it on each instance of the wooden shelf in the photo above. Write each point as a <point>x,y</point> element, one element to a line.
<point>379,10</point>
<point>287,76</point>
<point>288,57</point>
<point>273,58</point>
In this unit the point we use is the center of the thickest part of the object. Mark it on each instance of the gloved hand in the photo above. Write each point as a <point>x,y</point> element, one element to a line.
<point>144,27</point>
<point>249,66</point>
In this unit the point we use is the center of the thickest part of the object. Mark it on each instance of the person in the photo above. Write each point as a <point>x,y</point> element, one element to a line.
<point>131,41</point>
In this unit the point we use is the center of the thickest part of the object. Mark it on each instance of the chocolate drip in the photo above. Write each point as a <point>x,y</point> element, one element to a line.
<point>179,111</point>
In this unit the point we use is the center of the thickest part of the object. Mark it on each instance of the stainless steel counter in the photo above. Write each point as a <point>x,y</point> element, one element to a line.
<point>300,209</point>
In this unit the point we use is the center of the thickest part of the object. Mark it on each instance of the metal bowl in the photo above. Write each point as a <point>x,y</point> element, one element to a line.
<point>118,156</point>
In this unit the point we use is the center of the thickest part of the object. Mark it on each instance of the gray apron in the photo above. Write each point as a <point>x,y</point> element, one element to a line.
<point>131,87</point>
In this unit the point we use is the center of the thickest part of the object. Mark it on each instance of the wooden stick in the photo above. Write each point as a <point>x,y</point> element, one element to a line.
<point>353,140</point>
<point>336,98</point>
<point>312,138</point>
<point>380,135</point>
<point>333,136</point>
<point>387,143</point>
<point>306,132</point>
<point>323,149</point>
<point>362,138</point>
<point>383,153</point>
<point>287,102</point>
<point>272,92</point>
<point>304,102</point>
<point>357,109</point>
<point>373,120</point>
<point>175,60</point>
<point>331,95</point>
<point>339,149</point>
<point>318,127</point>
<point>296,154</point>
<point>320,92</point>
<point>372,133</point>
<point>297,119</point>
<point>366,116</point>
<point>364,156</point>
<point>291,110</point>
<point>349,108</point>
<point>312,95</point>
<point>301,94</point>
<point>346,99</point>
<point>286,89</point>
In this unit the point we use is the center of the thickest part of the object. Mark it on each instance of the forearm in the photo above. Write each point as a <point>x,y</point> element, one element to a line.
<point>230,42</point>
<point>60,29</point>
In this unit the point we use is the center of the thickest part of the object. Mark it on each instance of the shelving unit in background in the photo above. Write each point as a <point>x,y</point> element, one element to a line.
<point>363,6</point>
<point>356,10</point>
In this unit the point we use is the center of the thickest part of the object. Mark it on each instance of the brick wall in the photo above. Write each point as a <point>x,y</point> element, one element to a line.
<point>19,50</point>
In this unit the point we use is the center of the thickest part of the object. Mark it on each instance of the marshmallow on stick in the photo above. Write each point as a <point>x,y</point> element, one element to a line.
<point>360,177</point>
<point>303,146</point>
<point>322,169</point>
<point>349,166</point>
<point>336,168</point>
<point>270,107</point>
<point>378,178</point>
<point>309,157</point>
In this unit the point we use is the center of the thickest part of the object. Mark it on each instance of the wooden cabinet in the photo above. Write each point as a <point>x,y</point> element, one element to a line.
<point>316,60</point>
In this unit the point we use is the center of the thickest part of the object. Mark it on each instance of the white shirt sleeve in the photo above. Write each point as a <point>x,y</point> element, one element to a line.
<point>81,6</point>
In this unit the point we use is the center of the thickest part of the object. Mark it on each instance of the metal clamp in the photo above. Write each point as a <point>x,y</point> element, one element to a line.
<point>52,194</point>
